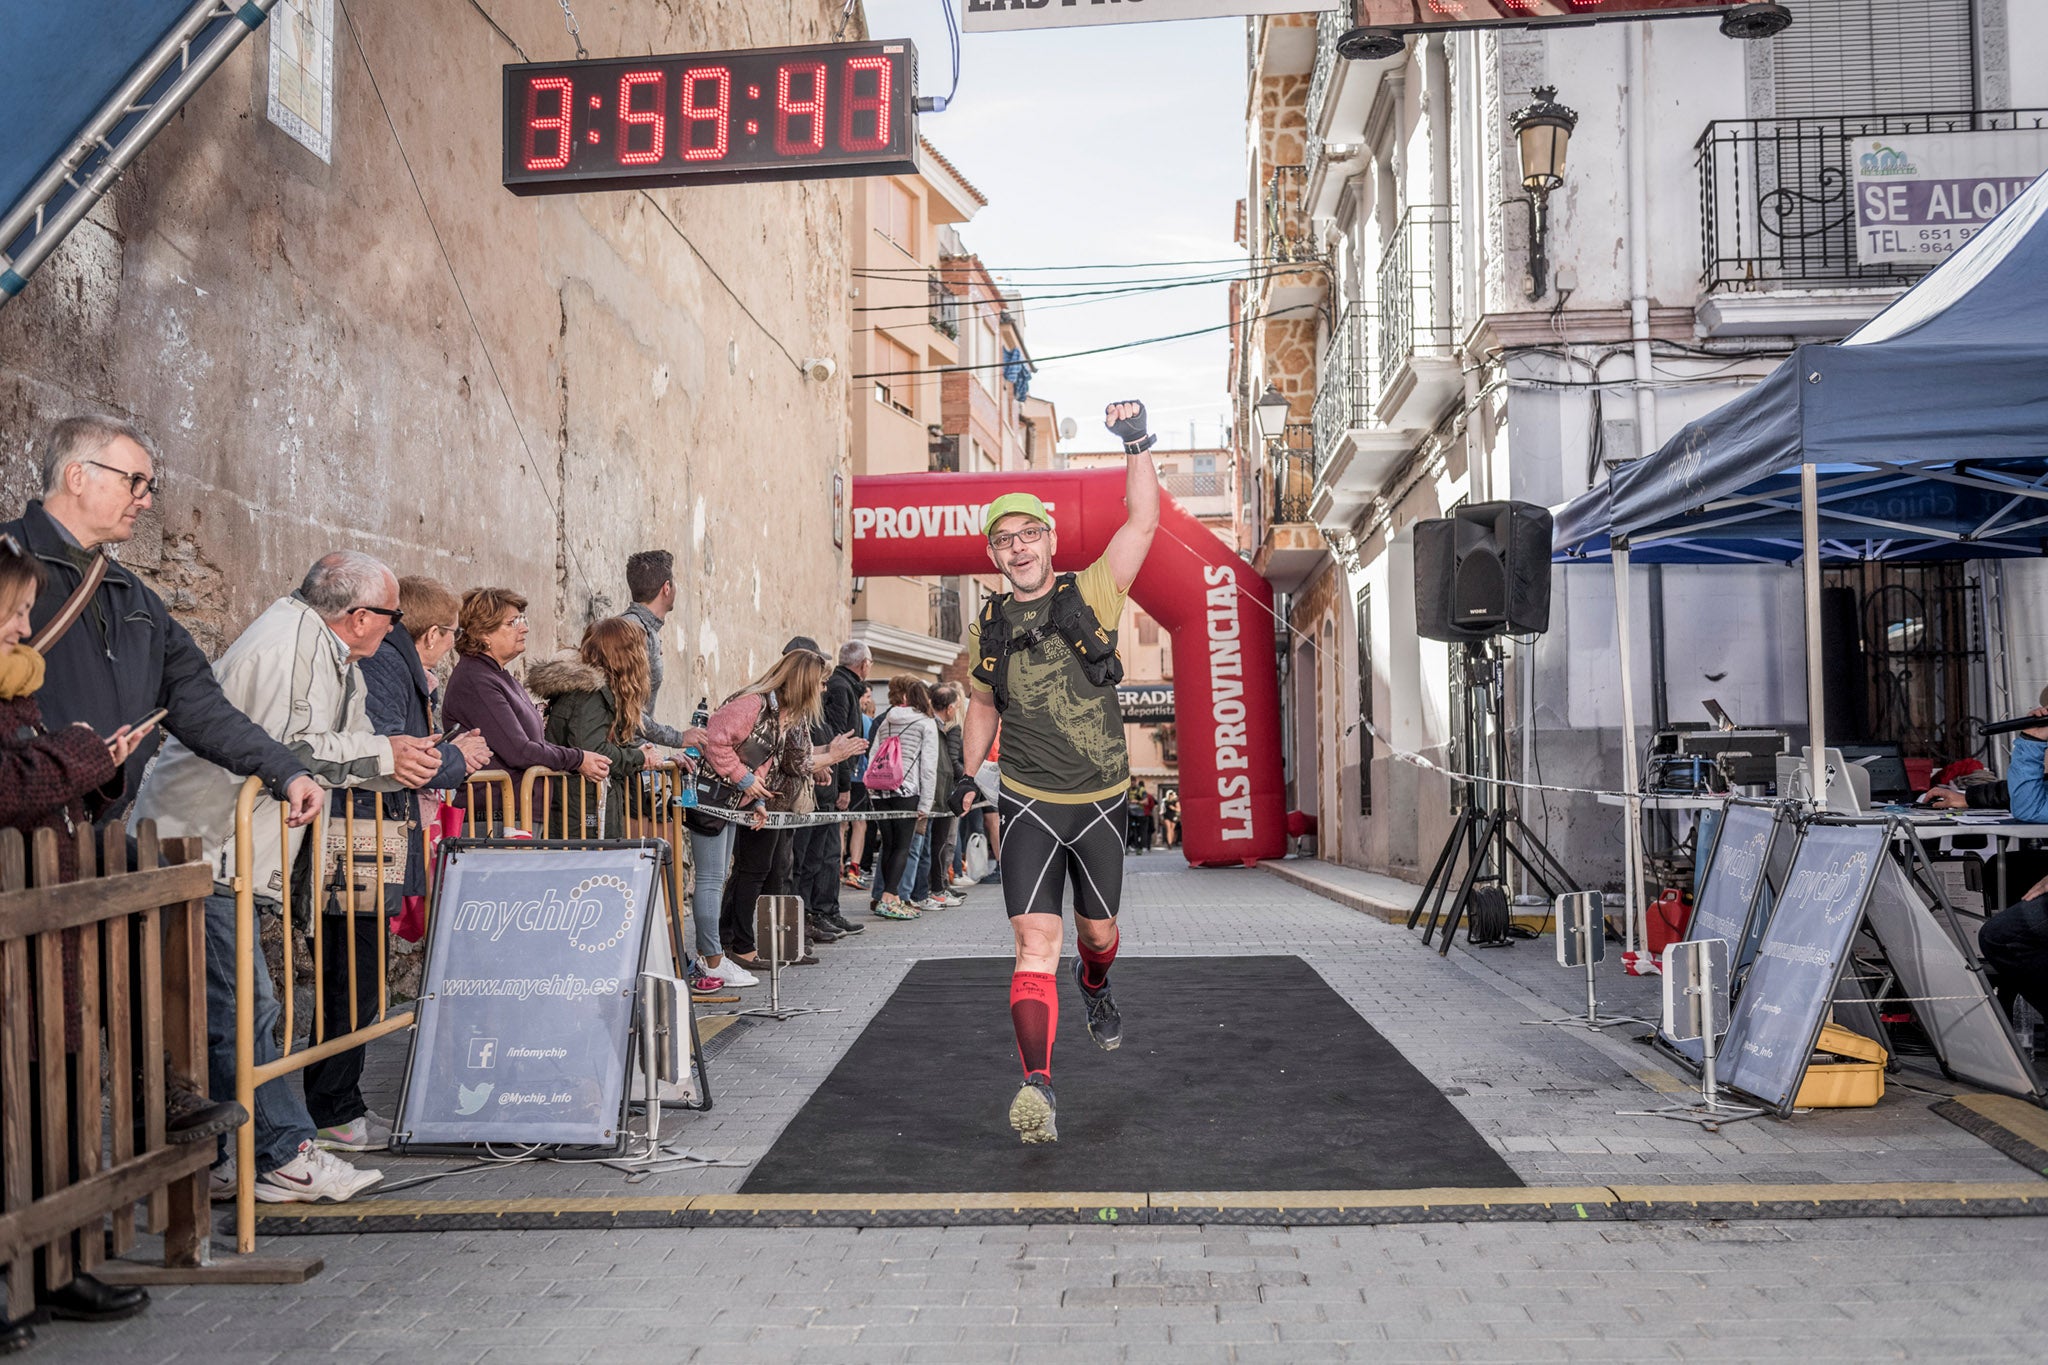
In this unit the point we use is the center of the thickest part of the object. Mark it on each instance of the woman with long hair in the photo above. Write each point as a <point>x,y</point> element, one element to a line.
<point>759,740</point>
<point>909,721</point>
<point>594,699</point>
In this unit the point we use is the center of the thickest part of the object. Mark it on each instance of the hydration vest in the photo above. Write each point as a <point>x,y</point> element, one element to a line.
<point>1071,619</point>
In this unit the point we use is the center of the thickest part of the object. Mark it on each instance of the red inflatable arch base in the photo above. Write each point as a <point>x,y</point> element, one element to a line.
<point>1218,611</point>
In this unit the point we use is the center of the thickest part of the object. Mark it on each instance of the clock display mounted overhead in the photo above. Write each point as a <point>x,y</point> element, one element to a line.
<point>711,118</point>
<point>1428,14</point>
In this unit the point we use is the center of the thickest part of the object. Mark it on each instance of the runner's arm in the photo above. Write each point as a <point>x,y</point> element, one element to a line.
<point>1133,540</point>
<point>978,730</point>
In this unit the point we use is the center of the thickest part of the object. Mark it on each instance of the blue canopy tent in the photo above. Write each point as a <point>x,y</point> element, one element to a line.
<point>1922,436</point>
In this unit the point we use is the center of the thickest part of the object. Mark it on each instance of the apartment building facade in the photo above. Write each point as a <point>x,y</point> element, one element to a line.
<point>1431,350</point>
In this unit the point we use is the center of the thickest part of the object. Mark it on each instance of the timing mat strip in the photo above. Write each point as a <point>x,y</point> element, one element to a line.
<point>1284,1208</point>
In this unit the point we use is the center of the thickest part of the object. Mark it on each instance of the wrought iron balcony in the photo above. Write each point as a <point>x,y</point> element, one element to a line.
<point>1330,25</point>
<point>947,623</point>
<point>1775,205</point>
<point>1344,387</point>
<point>1289,236</point>
<point>1293,474</point>
<point>1414,290</point>
<point>945,306</point>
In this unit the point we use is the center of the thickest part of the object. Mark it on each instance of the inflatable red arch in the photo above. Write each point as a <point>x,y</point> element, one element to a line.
<point>1217,609</point>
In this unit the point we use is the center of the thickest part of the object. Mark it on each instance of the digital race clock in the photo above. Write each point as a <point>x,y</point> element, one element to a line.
<point>711,118</point>
<point>1428,14</point>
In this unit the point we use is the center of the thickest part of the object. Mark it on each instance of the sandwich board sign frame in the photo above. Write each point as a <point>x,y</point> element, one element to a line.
<point>1734,896</point>
<point>1778,1018</point>
<point>527,1021</point>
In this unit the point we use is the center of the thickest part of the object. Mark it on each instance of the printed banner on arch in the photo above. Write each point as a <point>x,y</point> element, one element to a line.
<point>993,16</point>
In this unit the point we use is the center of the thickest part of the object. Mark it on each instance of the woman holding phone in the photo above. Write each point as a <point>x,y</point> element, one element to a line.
<point>43,777</point>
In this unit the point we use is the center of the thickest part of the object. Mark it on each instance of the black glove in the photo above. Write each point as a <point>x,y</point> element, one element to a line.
<point>962,789</point>
<point>1131,431</point>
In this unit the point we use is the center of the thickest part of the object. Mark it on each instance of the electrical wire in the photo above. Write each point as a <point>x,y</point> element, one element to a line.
<point>490,362</point>
<point>1039,269</point>
<point>1069,355</point>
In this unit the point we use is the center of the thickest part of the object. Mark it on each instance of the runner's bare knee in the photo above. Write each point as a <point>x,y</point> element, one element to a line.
<point>1038,942</point>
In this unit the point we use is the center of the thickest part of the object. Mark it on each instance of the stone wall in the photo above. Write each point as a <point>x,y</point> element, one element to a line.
<point>615,370</point>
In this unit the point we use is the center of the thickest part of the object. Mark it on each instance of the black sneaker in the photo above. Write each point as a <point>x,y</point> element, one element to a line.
<point>1032,1113</point>
<point>1105,1023</point>
<point>844,925</point>
<point>823,930</point>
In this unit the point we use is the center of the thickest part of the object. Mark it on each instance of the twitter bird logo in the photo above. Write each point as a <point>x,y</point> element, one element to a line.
<point>470,1098</point>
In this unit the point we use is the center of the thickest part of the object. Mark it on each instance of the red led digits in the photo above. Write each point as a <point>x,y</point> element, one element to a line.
<point>652,119</point>
<point>857,103</point>
<point>788,110</point>
<point>718,113</point>
<point>558,124</point>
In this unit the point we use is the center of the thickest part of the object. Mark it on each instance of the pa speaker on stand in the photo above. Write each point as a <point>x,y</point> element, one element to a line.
<point>1480,573</point>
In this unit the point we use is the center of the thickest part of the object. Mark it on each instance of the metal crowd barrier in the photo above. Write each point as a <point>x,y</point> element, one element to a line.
<point>545,804</point>
<point>71,1156</point>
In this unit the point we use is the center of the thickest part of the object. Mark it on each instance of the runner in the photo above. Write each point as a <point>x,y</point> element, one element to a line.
<point>1046,666</point>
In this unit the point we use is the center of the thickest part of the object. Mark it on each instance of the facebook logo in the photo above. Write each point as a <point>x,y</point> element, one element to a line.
<point>483,1053</point>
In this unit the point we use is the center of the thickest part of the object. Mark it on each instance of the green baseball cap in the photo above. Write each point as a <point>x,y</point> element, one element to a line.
<point>1010,504</point>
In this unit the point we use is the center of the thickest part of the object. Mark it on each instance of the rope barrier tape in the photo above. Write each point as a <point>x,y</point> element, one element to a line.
<point>782,819</point>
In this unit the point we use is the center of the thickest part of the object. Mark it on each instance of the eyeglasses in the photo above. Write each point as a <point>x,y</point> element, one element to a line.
<point>396,614</point>
<point>1028,535</point>
<point>517,623</point>
<point>139,485</point>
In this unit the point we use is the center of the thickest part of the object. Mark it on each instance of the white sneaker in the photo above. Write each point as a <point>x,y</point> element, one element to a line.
<point>313,1177</point>
<point>961,884</point>
<point>365,1133</point>
<point>733,974</point>
<point>220,1181</point>
<point>949,900</point>
<point>928,903</point>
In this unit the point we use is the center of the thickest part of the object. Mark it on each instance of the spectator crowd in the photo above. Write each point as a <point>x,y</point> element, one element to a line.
<point>341,699</point>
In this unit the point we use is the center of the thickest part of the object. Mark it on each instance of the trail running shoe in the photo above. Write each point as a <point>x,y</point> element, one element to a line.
<point>1033,1112</point>
<point>1105,1021</point>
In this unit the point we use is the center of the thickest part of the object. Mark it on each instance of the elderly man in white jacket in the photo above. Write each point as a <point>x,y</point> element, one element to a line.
<point>293,671</point>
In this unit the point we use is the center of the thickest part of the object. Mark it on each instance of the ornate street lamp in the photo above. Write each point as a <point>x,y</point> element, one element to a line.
<point>1544,131</point>
<point>1269,415</point>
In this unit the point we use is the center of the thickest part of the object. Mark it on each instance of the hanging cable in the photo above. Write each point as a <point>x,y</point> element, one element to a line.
<point>936,104</point>
<point>1070,355</point>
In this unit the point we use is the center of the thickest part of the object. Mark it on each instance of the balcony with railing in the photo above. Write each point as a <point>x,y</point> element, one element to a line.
<point>1417,371</point>
<point>947,621</point>
<point>1344,385</point>
<point>1290,547</point>
<point>1288,236</point>
<point>1776,205</point>
<point>1323,80</point>
<point>945,307</point>
<point>1293,476</point>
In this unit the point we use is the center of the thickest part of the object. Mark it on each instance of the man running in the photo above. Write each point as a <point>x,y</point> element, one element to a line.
<point>1046,667</point>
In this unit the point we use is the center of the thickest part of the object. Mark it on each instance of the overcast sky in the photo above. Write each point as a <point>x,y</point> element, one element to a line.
<point>1108,144</point>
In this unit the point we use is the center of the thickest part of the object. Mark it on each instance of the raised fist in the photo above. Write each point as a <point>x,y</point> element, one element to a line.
<point>1127,421</point>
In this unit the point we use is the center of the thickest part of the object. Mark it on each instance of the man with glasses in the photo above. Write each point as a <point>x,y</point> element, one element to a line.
<point>124,656</point>
<point>1046,668</point>
<point>293,671</point>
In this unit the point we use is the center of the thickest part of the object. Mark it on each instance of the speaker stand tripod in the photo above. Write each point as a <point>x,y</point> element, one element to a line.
<point>1489,828</point>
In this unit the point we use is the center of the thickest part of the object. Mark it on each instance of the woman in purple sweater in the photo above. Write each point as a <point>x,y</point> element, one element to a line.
<point>483,697</point>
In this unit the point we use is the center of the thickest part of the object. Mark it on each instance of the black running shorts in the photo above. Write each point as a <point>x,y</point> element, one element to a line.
<point>1048,845</point>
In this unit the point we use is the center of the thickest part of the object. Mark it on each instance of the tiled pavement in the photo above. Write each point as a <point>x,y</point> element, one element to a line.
<point>1950,1288</point>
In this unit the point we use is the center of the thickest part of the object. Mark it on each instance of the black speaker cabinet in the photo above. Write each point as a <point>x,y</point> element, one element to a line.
<point>1483,570</point>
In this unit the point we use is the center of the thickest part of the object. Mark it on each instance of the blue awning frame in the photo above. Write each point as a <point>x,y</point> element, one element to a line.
<point>87,166</point>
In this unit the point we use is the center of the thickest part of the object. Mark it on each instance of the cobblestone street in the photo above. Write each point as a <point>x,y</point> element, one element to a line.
<point>1948,1288</point>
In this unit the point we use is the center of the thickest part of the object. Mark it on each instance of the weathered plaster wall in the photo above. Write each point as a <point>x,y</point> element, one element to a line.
<point>290,332</point>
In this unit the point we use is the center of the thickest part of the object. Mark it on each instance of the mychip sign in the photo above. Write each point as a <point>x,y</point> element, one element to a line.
<point>525,1021</point>
<point>1920,196</point>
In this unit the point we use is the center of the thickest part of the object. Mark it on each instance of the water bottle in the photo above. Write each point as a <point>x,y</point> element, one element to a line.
<point>686,794</point>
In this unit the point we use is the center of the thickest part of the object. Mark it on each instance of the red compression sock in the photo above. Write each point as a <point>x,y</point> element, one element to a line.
<point>1095,961</point>
<point>1035,1012</point>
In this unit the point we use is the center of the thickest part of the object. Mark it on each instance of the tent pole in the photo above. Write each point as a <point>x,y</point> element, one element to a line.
<point>1632,824</point>
<point>1816,682</point>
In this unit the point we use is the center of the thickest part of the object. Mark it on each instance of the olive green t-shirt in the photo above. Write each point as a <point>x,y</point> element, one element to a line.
<point>1063,737</point>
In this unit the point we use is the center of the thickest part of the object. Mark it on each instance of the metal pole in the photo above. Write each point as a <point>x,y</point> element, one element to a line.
<point>1703,984</point>
<point>1816,683</point>
<point>1631,835</point>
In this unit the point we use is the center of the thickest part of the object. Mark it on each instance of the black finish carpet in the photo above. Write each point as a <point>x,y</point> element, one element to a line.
<point>1235,1074</point>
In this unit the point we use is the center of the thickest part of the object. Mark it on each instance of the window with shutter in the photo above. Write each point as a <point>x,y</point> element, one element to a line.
<point>1875,56</point>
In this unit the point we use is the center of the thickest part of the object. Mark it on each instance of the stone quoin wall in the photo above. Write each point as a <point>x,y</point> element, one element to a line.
<point>289,332</point>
